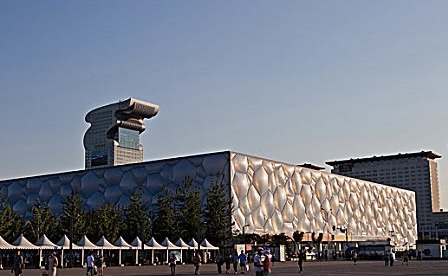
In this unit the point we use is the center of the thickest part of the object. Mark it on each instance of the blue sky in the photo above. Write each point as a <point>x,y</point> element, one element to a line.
<point>293,81</point>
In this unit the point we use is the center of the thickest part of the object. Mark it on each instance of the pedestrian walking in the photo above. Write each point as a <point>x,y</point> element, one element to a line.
<point>386,258</point>
<point>258,263</point>
<point>267,262</point>
<point>172,261</point>
<point>228,261</point>
<point>302,257</point>
<point>99,263</point>
<point>53,263</point>
<point>90,265</point>
<point>392,257</point>
<point>405,258</point>
<point>354,256</point>
<point>197,261</point>
<point>235,260</point>
<point>219,260</point>
<point>243,259</point>
<point>18,264</point>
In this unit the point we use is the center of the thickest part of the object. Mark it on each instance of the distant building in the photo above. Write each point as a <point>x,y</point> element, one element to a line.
<point>312,166</point>
<point>113,137</point>
<point>413,171</point>
<point>441,224</point>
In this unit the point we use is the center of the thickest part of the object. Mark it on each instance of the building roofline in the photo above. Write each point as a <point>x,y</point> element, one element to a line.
<point>147,162</point>
<point>427,154</point>
<point>311,166</point>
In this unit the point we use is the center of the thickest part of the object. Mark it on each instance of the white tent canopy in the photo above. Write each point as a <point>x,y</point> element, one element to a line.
<point>153,244</point>
<point>207,245</point>
<point>137,244</point>
<point>85,243</point>
<point>105,244</point>
<point>169,245</point>
<point>122,245</point>
<point>180,242</point>
<point>64,242</point>
<point>45,243</point>
<point>193,243</point>
<point>5,245</point>
<point>22,243</point>
<point>120,242</point>
<point>183,246</point>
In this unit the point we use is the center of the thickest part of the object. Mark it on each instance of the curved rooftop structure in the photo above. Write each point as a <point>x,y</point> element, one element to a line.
<point>113,136</point>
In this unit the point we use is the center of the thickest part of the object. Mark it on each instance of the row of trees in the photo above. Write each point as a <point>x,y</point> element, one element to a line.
<point>177,213</point>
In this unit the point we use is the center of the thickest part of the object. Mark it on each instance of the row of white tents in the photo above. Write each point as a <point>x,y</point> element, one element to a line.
<point>120,244</point>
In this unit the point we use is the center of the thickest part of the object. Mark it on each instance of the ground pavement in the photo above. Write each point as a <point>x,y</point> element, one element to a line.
<point>282,269</point>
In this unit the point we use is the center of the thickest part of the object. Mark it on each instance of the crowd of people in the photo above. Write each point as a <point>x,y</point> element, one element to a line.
<point>234,263</point>
<point>239,263</point>
<point>95,265</point>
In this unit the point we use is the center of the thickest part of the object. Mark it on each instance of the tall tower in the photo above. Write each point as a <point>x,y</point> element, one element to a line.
<point>414,171</point>
<point>113,137</point>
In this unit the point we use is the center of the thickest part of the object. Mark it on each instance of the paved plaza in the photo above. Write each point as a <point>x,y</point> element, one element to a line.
<point>281,269</point>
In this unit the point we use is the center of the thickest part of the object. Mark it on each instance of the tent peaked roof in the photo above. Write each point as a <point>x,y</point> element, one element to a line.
<point>86,244</point>
<point>105,244</point>
<point>205,244</point>
<point>4,244</point>
<point>180,242</point>
<point>137,242</point>
<point>153,244</point>
<point>22,243</point>
<point>168,244</point>
<point>193,243</point>
<point>120,242</point>
<point>64,242</point>
<point>45,243</point>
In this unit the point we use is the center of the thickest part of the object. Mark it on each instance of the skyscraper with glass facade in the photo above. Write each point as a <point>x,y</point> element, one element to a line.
<point>114,134</point>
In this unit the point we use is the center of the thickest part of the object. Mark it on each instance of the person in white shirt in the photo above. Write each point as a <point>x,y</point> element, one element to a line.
<point>172,260</point>
<point>258,262</point>
<point>90,267</point>
<point>52,264</point>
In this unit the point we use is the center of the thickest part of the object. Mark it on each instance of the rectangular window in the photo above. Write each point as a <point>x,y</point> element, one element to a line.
<point>128,138</point>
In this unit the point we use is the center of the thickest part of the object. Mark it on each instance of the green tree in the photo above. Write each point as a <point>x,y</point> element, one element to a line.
<point>218,212</point>
<point>188,209</point>
<point>42,222</point>
<point>278,239</point>
<point>165,223</point>
<point>298,236</point>
<point>105,221</point>
<point>73,210</point>
<point>136,217</point>
<point>10,222</point>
